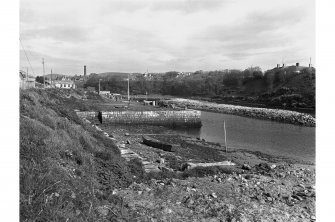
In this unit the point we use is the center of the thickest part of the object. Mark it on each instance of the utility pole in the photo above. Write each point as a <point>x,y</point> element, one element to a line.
<point>43,73</point>
<point>128,90</point>
<point>99,86</point>
<point>225,136</point>
<point>51,79</point>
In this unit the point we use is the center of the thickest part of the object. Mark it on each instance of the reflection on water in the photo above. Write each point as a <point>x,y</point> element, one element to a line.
<point>258,135</point>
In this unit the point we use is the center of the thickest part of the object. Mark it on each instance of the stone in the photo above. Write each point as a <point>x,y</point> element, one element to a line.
<point>313,217</point>
<point>273,166</point>
<point>126,134</point>
<point>128,142</point>
<point>248,176</point>
<point>302,186</point>
<point>103,211</point>
<point>214,195</point>
<point>246,167</point>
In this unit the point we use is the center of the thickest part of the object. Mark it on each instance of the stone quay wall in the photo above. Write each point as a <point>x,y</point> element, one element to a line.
<point>90,115</point>
<point>179,118</point>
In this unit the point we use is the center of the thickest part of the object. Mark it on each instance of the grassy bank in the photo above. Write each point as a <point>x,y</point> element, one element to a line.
<point>68,170</point>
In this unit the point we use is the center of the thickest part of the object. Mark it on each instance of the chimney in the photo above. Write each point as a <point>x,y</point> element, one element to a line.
<point>278,65</point>
<point>297,64</point>
<point>283,65</point>
<point>309,65</point>
<point>85,71</point>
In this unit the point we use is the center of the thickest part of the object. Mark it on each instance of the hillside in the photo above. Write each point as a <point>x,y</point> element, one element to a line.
<point>67,168</point>
<point>113,74</point>
<point>55,76</point>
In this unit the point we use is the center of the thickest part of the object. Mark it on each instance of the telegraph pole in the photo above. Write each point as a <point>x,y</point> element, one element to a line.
<point>51,79</point>
<point>128,89</point>
<point>225,136</point>
<point>99,86</point>
<point>43,73</point>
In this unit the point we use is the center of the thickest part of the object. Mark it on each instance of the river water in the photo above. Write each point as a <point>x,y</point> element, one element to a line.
<point>257,135</point>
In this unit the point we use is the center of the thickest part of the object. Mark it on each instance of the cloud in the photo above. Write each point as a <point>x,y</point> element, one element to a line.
<point>60,33</point>
<point>185,35</point>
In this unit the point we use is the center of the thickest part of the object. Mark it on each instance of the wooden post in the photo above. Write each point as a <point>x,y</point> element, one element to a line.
<point>43,73</point>
<point>225,136</point>
<point>128,89</point>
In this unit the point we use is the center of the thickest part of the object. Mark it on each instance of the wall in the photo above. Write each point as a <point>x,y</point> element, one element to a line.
<point>184,118</point>
<point>87,115</point>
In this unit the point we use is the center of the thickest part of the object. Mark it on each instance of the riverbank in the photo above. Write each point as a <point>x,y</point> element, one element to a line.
<point>258,187</point>
<point>278,115</point>
<point>72,169</point>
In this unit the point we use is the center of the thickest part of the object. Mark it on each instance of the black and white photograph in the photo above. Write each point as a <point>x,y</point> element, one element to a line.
<point>166,110</point>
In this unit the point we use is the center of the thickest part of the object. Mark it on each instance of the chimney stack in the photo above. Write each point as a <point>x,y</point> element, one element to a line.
<point>85,71</point>
<point>297,64</point>
<point>278,65</point>
<point>283,65</point>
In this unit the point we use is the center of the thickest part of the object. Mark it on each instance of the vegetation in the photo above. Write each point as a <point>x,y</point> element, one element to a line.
<point>279,87</point>
<point>67,168</point>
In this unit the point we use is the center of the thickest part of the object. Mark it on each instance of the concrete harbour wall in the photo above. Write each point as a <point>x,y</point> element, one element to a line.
<point>182,118</point>
<point>87,115</point>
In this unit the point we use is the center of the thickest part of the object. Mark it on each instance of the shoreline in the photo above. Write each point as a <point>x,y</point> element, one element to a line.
<point>278,115</point>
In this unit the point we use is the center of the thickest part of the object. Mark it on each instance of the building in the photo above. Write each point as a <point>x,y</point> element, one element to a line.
<point>64,84</point>
<point>26,81</point>
<point>116,97</point>
<point>105,93</point>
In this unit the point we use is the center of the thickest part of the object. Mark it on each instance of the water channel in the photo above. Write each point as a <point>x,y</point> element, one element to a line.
<point>257,135</point>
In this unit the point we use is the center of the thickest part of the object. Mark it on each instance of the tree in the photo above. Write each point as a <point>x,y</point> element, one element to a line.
<point>40,79</point>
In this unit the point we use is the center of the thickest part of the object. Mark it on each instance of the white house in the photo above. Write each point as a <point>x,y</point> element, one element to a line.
<point>64,84</point>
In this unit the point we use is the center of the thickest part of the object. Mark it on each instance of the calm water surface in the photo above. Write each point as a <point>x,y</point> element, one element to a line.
<point>257,135</point>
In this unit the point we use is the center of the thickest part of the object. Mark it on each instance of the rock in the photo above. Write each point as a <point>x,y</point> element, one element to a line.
<point>103,211</point>
<point>273,166</point>
<point>246,167</point>
<point>269,198</point>
<point>128,142</point>
<point>184,166</point>
<point>302,186</point>
<point>78,212</point>
<point>198,138</point>
<point>313,217</point>
<point>126,134</point>
<point>214,195</point>
<point>248,176</point>
<point>190,202</point>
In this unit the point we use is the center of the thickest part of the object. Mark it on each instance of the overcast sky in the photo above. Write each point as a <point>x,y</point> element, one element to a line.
<point>165,35</point>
